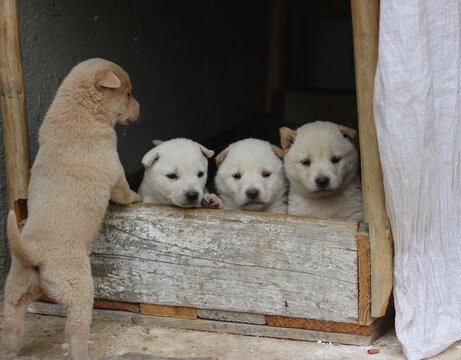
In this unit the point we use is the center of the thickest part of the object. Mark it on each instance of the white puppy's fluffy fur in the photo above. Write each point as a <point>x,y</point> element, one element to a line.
<point>250,177</point>
<point>175,173</point>
<point>321,164</point>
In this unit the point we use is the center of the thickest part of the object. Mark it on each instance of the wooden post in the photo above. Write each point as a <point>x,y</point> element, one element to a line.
<point>276,53</point>
<point>365,22</point>
<point>13,106</point>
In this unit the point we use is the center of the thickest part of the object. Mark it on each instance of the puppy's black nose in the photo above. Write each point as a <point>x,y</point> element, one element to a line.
<point>192,195</point>
<point>322,182</point>
<point>252,194</point>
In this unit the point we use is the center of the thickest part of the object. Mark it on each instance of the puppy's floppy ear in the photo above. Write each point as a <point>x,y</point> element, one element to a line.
<point>206,152</point>
<point>349,134</point>
<point>287,138</point>
<point>277,151</point>
<point>157,142</point>
<point>107,79</point>
<point>221,156</point>
<point>151,157</point>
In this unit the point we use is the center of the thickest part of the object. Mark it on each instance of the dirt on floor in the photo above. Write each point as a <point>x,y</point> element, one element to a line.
<point>44,339</point>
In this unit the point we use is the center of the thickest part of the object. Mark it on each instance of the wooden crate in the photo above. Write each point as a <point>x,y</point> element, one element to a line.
<point>240,272</point>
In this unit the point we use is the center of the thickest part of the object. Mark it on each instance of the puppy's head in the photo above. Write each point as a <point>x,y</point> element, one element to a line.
<point>105,89</point>
<point>320,158</point>
<point>250,174</point>
<point>177,171</point>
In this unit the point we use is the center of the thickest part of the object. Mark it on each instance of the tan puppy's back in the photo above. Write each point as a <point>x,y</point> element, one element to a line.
<point>75,173</point>
<point>77,163</point>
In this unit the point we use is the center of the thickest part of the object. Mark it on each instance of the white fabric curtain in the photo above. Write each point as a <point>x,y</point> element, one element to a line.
<point>417,108</point>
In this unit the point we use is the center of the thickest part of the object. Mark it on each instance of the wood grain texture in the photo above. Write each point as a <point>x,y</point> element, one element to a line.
<point>171,311</point>
<point>214,326</point>
<point>224,260</point>
<point>231,316</point>
<point>104,304</point>
<point>318,325</point>
<point>365,19</point>
<point>364,277</point>
<point>116,305</point>
<point>13,106</point>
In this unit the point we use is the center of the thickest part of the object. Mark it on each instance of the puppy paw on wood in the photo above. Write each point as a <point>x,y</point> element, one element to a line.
<point>135,197</point>
<point>211,201</point>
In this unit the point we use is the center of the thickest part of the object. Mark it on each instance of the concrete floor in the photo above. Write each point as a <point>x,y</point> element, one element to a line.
<point>44,339</point>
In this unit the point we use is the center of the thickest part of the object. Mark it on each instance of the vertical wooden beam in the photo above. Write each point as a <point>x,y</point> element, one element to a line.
<point>365,22</point>
<point>13,106</point>
<point>276,52</point>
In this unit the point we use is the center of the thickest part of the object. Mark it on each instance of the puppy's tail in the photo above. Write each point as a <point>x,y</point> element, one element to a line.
<point>16,245</point>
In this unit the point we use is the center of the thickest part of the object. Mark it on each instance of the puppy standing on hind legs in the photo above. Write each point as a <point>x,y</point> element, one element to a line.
<point>321,164</point>
<point>76,171</point>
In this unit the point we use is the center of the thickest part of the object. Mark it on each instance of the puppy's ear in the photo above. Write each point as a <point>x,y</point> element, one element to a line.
<point>107,79</point>
<point>151,157</point>
<point>287,138</point>
<point>221,156</point>
<point>157,142</point>
<point>349,134</point>
<point>206,152</point>
<point>279,152</point>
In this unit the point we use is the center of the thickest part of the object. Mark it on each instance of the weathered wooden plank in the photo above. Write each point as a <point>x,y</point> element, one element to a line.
<point>13,106</point>
<point>365,19</point>
<point>172,311</point>
<point>318,325</point>
<point>116,305</point>
<point>231,316</point>
<point>104,304</point>
<point>225,260</point>
<point>364,276</point>
<point>219,326</point>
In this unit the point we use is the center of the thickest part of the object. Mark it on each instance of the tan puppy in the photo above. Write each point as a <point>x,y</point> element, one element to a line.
<point>250,177</point>
<point>76,171</point>
<point>321,165</point>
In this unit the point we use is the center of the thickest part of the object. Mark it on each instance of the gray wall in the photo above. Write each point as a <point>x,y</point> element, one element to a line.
<point>197,67</point>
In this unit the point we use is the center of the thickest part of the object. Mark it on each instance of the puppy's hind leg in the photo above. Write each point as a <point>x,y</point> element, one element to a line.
<point>71,286</point>
<point>22,287</point>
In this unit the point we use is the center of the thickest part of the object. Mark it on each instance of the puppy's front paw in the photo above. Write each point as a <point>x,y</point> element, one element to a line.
<point>211,201</point>
<point>135,197</point>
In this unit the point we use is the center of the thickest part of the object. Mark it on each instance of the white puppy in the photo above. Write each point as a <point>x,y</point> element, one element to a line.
<point>250,177</point>
<point>321,164</point>
<point>175,174</point>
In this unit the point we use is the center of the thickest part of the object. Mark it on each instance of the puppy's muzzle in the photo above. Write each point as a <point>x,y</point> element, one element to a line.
<point>322,182</point>
<point>192,196</point>
<point>252,194</point>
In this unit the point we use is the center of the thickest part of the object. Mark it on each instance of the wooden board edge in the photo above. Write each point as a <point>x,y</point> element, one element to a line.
<point>365,26</point>
<point>105,304</point>
<point>363,278</point>
<point>168,311</point>
<point>354,224</point>
<point>318,325</point>
<point>42,308</point>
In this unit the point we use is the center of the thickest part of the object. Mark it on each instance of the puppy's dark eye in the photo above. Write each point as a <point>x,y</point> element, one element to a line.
<point>266,174</point>
<point>172,176</point>
<point>306,162</point>
<point>128,94</point>
<point>336,159</point>
<point>237,176</point>
<point>200,174</point>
